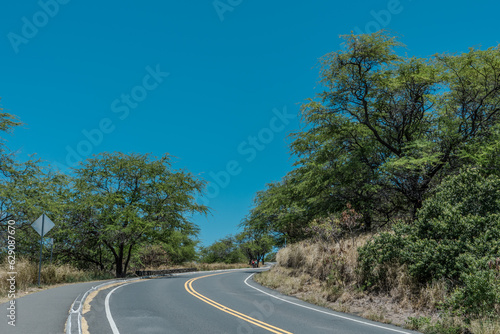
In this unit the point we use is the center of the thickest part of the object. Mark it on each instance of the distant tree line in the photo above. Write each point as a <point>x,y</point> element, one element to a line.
<point>244,247</point>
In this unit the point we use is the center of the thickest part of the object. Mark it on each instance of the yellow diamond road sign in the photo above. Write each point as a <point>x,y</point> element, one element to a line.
<point>47,224</point>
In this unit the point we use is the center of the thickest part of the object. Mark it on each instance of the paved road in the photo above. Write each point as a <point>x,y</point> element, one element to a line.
<point>228,302</point>
<point>44,312</point>
<point>217,302</point>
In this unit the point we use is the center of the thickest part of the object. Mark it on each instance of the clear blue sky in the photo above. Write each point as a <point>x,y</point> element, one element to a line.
<point>211,82</point>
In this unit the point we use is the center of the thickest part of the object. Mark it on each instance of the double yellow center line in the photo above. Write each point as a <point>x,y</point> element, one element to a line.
<point>189,288</point>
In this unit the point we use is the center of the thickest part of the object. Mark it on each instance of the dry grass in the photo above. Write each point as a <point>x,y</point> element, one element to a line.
<point>443,325</point>
<point>327,274</point>
<point>216,266</point>
<point>199,266</point>
<point>485,327</point>
<point>27,276</point>
<point>333,261</point>
<point>284,280</point>
<point>376,315</point>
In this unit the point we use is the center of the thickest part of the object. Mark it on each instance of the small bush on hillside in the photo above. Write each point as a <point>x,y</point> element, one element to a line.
<point>152,256</point>
<point>336,227</point>
<point>477,296</point>
<point>456,235</point>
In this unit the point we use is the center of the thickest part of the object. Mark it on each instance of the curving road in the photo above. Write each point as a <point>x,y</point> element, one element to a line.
<point>222,302</point>
<point>216,302</point>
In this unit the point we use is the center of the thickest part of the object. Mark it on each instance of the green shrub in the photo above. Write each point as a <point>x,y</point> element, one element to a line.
<point>418,323</point>
<point>428,326</point>
<point>478,295</point>
<point>456,234</point>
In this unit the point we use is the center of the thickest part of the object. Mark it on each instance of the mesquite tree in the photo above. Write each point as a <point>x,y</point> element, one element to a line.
<point>121,201</point>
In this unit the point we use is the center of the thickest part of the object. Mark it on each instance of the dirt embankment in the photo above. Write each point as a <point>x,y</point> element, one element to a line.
<point>327,275</point>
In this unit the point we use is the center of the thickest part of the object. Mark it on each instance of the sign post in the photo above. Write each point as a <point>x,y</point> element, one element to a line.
<point>42,225</point>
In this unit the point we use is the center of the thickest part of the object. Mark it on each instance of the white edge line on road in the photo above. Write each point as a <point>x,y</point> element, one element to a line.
<point>82,301</point>
<point>329,313</point>
<point>68,322</point>
<point>108,311</point>
<point>112,323</point>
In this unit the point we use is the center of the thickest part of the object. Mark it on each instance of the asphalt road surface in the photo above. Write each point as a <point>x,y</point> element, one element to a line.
<point>44,312</point>
<point>204,302</point>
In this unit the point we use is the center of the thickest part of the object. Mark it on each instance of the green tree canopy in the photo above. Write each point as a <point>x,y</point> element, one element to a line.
<point>255,244</point>
<point>7,123</point>
<point>397,121</point>
<point>225,250</point>
<point>121,201</point>
<point>384,131</point>
<point>27,189</point>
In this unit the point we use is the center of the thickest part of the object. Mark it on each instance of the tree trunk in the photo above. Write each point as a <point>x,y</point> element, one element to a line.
<point>416,205</point>
<point>101,265</point>
<point>128,259</point>
<point>119,262</point>
<point>367,222</point>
